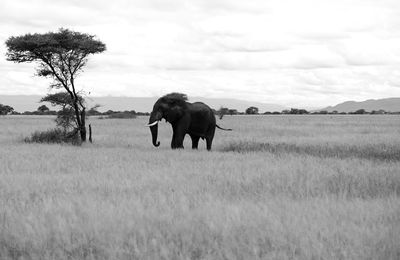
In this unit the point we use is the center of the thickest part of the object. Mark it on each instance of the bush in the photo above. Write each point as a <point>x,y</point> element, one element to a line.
<point>55,135</point>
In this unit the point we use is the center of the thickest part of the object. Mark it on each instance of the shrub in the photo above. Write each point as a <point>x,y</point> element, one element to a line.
<point>55,135</point>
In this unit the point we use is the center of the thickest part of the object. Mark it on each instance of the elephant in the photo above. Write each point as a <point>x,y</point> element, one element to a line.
<point>196,119</point>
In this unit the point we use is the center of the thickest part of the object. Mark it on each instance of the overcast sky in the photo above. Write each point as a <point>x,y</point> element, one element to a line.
<point>294,53</point>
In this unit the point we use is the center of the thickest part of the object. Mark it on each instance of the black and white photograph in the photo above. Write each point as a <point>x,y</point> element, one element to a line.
<point>199,129</point>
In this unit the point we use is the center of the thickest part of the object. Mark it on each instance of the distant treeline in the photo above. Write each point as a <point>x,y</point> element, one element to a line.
<point>44,110</point>
<point>107,114</point>
<point>295,111</point>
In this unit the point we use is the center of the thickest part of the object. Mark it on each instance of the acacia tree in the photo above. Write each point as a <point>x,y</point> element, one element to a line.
<point>252,110</point>
<point>43,109</point>
<point>4,109</point>
<point>222,111</point>
<point>61,56</point>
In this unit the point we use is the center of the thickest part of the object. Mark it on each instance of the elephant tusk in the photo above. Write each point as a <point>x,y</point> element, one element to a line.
<point>154,123</point>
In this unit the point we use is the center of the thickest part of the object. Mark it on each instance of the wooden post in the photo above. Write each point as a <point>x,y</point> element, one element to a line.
<point>90,133</point>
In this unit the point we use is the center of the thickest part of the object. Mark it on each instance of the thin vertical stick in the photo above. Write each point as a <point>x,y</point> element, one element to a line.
<point>90,133</point>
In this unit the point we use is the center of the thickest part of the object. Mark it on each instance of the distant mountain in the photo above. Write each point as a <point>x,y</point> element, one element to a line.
<point>387,104</point>
<point>240,105</point>
<point>23,103</point>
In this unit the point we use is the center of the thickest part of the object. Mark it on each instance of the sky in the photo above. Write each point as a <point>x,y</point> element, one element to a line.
<point>300,53</point>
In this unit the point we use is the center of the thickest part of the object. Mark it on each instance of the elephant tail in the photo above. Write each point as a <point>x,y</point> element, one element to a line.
<point>226,129</point>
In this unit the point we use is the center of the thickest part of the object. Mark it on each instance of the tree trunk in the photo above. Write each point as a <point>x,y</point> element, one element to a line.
<point>82,125</point>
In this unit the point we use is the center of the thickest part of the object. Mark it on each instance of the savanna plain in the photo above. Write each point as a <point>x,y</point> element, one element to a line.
<point>276,187</point>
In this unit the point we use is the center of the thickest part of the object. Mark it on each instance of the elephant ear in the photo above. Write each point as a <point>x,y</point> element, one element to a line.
<point>175,113</point>
<point>176,103</point>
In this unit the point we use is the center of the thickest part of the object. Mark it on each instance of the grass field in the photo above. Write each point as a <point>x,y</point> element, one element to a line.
<point>277,187</point>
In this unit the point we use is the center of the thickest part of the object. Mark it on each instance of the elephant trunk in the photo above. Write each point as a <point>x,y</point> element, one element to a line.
<point>153,124</point>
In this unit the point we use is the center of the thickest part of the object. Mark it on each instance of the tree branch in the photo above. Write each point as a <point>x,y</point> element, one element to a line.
<point>61,66</point>
<point>48,62</point>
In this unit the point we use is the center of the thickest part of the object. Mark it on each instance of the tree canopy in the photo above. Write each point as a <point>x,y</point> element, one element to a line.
<point>60,99</point>
<point>252,110</point>
<point>61,54</point>
<point>43,108</point>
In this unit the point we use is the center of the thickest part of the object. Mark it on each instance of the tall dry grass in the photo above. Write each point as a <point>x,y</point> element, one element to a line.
<point>275,188</point>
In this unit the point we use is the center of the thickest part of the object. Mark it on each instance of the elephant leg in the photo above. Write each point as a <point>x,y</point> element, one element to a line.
<point>178,136</point>
<point>209,139</point>
<point>209,142</point>
<point>195,141</point>
<point>173,142</point>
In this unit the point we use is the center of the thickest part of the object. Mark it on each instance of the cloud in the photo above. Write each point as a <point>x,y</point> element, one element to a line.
<point>301,52</point>
<point>370,50</point>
